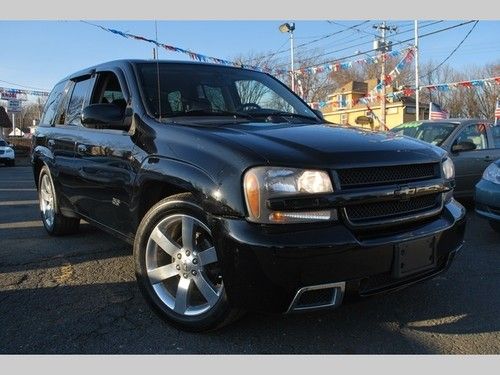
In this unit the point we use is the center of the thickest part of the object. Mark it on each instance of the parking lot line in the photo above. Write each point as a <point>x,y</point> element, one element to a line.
<point>18,203</point>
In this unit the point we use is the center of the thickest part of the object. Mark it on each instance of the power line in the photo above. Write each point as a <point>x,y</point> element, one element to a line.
<point>393,44</point>
<point>452,52</point>
<point>354,28</point>
<point>26,87</point>
<point>322,38</point>
<point>364,43</point>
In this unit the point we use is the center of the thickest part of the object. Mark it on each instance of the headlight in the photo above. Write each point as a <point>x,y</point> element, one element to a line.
<point>263,183</point>
<point>448,169</point>
<point>492,173</point>
<point>10,151</point>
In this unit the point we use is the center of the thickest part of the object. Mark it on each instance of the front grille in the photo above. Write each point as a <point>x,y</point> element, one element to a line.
<point>365,212</point>
<point>359,177</point>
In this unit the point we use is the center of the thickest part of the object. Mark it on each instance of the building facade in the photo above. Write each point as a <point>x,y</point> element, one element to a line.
<point>343,107</point>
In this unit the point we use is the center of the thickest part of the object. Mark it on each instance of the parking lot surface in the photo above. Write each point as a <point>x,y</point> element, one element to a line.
<point>77,294</point>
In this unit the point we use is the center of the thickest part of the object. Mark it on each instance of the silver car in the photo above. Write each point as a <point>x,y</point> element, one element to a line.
<point>471,143</point>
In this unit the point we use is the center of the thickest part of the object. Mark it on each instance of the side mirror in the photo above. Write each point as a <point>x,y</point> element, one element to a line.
<point>463,146</point>
<point>105,116</point>
<point>318,113</point>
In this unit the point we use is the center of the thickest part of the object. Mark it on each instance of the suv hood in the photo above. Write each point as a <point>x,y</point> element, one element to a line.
<point>328,145</point>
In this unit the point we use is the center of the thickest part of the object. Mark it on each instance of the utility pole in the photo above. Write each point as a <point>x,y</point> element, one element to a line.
<point>417,82</point>
<point>290,28</point>
<point>382,45</point>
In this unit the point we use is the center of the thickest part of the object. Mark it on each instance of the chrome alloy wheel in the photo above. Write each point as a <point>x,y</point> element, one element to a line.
<point>182,265</point>
<point>46,198</point>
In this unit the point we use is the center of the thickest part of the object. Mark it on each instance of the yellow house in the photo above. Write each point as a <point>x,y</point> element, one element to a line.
<point>343,107</point>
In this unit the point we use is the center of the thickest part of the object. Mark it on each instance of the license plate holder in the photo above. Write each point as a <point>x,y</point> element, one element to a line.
<point>414,256</point>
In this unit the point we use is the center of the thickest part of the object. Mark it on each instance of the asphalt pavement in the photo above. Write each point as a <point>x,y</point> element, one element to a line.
<point>77,294</point>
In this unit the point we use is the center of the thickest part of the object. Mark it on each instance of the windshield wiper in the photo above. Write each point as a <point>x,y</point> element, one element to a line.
<point>287,114</point>
<point>203,112</point>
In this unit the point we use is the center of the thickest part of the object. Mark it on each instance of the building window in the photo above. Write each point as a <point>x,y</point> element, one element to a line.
<point>342,101</point>
<point>411,110</point>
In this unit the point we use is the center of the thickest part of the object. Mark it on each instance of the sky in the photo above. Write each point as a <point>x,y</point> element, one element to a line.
<point>39,53</point>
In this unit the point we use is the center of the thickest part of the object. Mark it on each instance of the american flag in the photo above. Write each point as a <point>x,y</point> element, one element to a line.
<point>437,113</point>
<point>497,111</point>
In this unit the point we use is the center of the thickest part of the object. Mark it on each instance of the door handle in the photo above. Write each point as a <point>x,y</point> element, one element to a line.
<point>81,149</point>
<point>488,158</point>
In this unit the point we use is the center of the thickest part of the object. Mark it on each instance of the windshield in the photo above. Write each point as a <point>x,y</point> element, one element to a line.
<point>194,90</point>
<point>432,132</point>
<point>3,143</point>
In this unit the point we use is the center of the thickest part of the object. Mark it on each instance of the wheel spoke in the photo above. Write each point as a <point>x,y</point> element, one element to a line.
<point>163,242</point>
<point>187,232</point>
<point>206,290</point>
<point>208,256</point>
<point>181,298</point>
<point>44,195</point>
<point>159,274</point>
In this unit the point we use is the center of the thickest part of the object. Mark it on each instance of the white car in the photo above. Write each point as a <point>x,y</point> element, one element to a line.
<point>7,154</point>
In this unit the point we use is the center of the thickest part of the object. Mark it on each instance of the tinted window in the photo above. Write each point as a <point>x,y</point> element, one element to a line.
<point>52,105</point>
<point>495,131</point>
<point>3,143</point>
<point>78,96</point>
<point>475,134</point>
<point>435,132</point>
<point>189,90</point>
<point>108,91</point>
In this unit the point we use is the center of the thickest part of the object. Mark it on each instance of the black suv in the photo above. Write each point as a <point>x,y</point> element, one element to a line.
<point>235,194</point>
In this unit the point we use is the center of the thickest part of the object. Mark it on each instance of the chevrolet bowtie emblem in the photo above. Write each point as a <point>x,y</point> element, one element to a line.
<point>405,192</point>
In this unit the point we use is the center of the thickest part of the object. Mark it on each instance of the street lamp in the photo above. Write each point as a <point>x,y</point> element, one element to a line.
<point>289,28</point>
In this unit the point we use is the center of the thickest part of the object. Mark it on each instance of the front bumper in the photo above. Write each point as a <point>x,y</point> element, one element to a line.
<point>487,199</point>
<point>265,266</point>
<point>6,157</point>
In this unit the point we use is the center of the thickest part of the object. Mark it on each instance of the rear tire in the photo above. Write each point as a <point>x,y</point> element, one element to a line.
<point>54,222</point>
<point>177,266</point>
<point>495,225</point>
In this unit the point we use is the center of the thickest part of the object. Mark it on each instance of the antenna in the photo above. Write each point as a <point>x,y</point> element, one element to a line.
<point>157,70</point>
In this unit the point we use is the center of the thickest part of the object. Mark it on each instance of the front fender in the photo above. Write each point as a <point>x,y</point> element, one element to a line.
<point>181,176</point>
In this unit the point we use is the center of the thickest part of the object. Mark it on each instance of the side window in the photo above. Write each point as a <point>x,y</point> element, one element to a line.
<point>52,105</point>
<point>77,101</point>
<point>108,91</point>
<point>476,134</point>
<point>495,132</point>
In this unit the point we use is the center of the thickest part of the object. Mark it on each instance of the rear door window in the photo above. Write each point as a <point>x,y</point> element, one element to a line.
<point>78,98</point>
<point>53,103</point>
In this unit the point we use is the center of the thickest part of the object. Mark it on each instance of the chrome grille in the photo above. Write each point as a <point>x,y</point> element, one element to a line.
<point>359,177</point>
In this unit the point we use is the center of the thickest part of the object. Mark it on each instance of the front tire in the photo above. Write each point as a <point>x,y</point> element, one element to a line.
<point>495,225</point>
<point>54,222</point>
<point>177,266</point>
